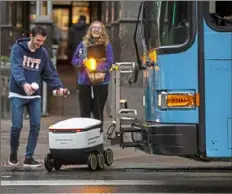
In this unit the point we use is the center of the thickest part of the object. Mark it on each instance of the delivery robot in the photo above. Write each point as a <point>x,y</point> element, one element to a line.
<point>77,141</point>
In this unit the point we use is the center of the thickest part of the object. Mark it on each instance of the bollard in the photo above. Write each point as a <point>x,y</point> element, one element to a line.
<point>54,54</point>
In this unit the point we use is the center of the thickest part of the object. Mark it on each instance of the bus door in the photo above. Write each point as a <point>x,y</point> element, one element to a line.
<point>217,45</point>
<point>177,60</point>
<point>173,86</point>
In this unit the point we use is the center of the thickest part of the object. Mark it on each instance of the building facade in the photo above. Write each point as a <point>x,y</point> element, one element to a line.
<point>14,23</point>
<point>119,17</point>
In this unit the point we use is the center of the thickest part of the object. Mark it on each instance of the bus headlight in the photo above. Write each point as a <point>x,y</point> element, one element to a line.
<point>168,100</point>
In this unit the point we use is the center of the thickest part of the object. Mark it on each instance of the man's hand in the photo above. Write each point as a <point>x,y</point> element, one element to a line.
<point>28,89</point>
<point>62,92</point>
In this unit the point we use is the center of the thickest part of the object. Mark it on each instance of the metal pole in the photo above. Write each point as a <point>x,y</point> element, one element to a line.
<point>39,7</point>
<point>54,54</point>
<point>44,98</point>
<point>113,92</point>
<point>49,8</point>
<point>117,100</point>
<point>0,69</point>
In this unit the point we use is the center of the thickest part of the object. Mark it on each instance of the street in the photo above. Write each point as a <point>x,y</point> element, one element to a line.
<point>80,180</point>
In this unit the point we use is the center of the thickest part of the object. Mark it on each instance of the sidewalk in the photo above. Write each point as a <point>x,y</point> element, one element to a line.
<point>61,109</point>
<point>68,108</point>
<point>123,158</point>
<point>42,146</point>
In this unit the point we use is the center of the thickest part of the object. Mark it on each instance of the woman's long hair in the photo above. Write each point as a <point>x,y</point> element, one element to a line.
<point>103,39</point>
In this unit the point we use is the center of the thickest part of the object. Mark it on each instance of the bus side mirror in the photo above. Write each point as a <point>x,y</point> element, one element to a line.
<point>134,76</point>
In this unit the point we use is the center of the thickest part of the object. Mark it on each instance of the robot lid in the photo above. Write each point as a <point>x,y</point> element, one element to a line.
<point>76,123</point>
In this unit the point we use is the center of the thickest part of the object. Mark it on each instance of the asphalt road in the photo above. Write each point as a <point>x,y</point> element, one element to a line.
<point>80,180</point>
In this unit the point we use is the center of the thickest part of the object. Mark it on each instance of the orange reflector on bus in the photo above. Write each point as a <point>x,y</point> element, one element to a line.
<point>178,100</point>
<point>182,100</point>
<point>197,99</point>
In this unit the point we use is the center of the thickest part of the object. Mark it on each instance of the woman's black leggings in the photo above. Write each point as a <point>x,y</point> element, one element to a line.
<point>95,105</point>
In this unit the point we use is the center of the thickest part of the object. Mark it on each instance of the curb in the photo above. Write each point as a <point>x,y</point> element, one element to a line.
<point>172,168</point>
<point>141,168</point>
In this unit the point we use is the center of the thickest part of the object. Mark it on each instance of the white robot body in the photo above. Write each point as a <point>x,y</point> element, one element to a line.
<point>75,133</point>
<point>77,141</point>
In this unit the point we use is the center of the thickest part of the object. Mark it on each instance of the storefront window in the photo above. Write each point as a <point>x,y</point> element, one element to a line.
<point>77,11</point>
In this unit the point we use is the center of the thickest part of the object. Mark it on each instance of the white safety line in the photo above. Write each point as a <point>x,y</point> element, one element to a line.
<point>79,182</point>
<point>123,193</point>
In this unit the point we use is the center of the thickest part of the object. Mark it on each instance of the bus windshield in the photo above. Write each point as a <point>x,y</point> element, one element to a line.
<point>169,23</point>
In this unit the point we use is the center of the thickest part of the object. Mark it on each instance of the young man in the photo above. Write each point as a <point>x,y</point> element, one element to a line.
<point>30,63</point>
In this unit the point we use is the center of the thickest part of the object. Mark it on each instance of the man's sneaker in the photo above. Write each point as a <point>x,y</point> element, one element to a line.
<point>31,162</point>
<point>13,160</point>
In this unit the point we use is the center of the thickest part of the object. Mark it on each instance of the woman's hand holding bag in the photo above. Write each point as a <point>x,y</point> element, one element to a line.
<point>95,77</point>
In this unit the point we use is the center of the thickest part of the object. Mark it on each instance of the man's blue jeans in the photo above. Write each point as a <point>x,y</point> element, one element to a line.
<point>34,110</point>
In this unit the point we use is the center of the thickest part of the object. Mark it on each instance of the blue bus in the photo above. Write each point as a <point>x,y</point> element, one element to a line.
<point>186,49</point>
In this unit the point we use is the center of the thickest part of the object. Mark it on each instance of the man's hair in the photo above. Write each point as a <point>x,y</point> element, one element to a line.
<point>38,30</point>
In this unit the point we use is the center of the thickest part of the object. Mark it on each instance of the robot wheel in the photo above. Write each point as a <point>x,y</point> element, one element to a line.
<point>48,162</point>
<point>109,157</point>
<point>57,165</point>
<point>92,162</point>
<point>100,161</point>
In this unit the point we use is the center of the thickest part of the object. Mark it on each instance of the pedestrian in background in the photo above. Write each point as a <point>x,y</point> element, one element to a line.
<point>76,34</point>
<point>30,63</point>
<point>93,95</point>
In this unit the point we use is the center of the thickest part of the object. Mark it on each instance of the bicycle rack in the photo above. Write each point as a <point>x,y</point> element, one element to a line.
<point>123,117</point>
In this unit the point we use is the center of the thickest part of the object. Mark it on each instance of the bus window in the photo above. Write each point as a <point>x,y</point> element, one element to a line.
<point>174,23</point>
<point>221,13</point>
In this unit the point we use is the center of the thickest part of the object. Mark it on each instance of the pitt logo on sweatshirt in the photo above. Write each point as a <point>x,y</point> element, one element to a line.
<point>31,63</point>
